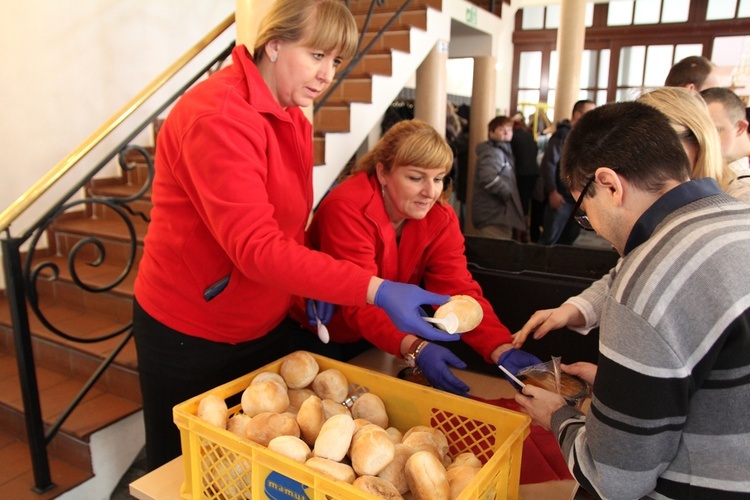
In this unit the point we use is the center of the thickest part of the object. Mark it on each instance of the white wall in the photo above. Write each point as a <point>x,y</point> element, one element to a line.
<point>69,65</point>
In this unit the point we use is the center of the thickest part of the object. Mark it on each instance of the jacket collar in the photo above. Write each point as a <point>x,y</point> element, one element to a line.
<point>259,95</point>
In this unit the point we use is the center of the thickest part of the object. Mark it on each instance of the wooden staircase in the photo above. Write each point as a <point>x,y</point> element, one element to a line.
<point>63,366</point>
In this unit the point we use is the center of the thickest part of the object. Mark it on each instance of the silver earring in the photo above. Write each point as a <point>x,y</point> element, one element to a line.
<point>273,57</point>
<point>382,190</point>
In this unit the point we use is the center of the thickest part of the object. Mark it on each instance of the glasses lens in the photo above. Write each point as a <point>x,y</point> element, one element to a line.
<point>583,220</point>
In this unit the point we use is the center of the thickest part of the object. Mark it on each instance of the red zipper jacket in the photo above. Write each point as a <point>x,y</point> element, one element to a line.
<point>231,197</point>
<point>351,223</point>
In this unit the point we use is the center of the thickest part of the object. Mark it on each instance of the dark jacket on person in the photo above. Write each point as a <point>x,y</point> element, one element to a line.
<point>550,165</point>
<point>524,153</point>
<point>496,201</point>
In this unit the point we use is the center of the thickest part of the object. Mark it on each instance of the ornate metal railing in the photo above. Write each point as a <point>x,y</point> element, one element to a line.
<point>24,273</point>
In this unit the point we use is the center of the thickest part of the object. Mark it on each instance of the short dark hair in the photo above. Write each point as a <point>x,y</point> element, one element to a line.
<point>634,138</point>
<point>578,106</point>
<point>693,69</point>
<point>731,102</point>
<point>499,121</point>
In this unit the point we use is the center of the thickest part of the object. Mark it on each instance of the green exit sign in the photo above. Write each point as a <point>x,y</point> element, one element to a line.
<point>471,15</point>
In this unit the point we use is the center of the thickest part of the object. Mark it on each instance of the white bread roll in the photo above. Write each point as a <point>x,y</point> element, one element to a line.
<point>268,396</point>
<point>467,309</point>
<point>334,438</point>
<point>466,458</point>
<point>298,396</point>
<point>422,441</point>
<point>370,407</point>
<point>331,408</point>
<point>441,442</point>
<point>237,424</point>
<point>298,369</point>
<point>266,426</point>
<point>265,376</point>
<point>459,477</point>
<point>291,447</point>
<point>378,487</point>
<point>213,409</point>
<point>396,435</point>
<point>360,423</point>
<point>371,450</point>
<point>333,469</point>
<point>310,418</point>
<point>395,472</point>
<point>427,477</point>
<point>331,384</point>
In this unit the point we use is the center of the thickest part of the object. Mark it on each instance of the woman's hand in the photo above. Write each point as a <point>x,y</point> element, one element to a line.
<point>584,371</point>
<point>542,322</point>
<point>402,303</point>
<point>434,361</point>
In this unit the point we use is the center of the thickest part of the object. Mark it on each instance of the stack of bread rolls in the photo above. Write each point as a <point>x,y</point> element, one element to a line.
<point>299,414</point>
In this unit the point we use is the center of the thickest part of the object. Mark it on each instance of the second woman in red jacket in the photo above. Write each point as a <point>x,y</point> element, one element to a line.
<point>389,218</point>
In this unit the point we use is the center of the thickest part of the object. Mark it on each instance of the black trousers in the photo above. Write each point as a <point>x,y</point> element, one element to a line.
<point>174,367</point>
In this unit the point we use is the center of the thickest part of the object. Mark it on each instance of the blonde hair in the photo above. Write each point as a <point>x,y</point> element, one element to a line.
<point>408,142</point>
<point>688,114</point>
<point>326,25</point>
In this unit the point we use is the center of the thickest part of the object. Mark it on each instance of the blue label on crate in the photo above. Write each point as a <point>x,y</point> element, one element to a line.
<point>280,487</point>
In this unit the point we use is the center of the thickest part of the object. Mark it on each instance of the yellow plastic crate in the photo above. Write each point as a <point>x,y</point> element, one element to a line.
<point>220,465</point>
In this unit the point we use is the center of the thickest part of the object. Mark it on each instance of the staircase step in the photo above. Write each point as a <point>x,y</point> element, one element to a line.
<point>332,119</point>
<point>408,19</point>
<point>375,64</point>
<point>16,475</point>
<point>390,40</point>
<point>363,6</point>
<point>351,90</point>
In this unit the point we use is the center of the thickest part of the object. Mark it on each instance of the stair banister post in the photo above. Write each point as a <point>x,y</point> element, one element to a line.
<point>15,291</point>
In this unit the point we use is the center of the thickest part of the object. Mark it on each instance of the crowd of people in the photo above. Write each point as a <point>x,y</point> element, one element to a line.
<point>233,275</point>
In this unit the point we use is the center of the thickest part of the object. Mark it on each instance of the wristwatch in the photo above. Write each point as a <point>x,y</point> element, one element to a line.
<point>413,352</point>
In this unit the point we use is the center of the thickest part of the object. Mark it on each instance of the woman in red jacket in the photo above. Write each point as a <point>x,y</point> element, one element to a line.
<point>389,218</point>
<point>231,196</point>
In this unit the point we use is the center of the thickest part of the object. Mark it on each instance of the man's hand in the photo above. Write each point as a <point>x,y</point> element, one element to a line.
<point>584,371</point>
<point>546,320</point>
<point>539,404</point>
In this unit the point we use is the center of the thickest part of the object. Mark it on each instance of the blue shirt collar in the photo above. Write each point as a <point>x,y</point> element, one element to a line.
<point>670,201</point>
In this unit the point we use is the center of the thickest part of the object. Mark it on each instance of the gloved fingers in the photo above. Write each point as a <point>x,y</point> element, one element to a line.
<point>454,360</point>
<point>446,381</point>
<point>428,332</point>
<point>325,311</point>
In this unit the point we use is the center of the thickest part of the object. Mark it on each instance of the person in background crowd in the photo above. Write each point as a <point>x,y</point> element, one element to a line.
<point>525,154</point>
<point>390,217</point>
<point>225,253</point>
<point>496,210</point>
<point>668,416</point>
<point>728,114</point>
<point>695,73</point>
<point>558,228</point>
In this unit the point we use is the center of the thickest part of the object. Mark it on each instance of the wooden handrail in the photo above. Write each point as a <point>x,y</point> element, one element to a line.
<point>51,177</point>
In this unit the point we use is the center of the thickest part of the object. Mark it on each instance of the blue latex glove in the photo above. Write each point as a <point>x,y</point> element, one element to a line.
<point>401,302</point>
<point>324,311</point>
<point>434,360</point>
<point>514,360</point>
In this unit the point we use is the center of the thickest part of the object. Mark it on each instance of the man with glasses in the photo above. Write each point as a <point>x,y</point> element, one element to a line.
<point>668,417</point>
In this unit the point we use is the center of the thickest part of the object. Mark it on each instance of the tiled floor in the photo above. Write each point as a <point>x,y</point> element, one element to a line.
<point>17,478</point>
